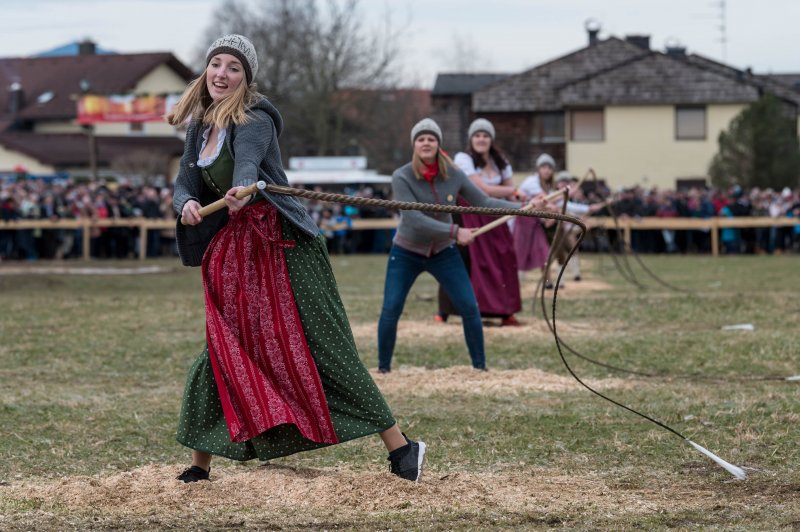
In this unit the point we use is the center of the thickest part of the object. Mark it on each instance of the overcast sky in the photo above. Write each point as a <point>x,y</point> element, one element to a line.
<point>496,35</point>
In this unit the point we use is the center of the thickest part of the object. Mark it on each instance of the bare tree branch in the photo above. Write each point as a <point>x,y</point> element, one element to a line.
<point>308,50</point>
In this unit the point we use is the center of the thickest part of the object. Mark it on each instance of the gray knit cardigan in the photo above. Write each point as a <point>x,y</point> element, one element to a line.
<point>254,147</point>
<point>433,230</point>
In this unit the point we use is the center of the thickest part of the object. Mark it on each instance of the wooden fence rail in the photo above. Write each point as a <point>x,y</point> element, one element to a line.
<point>627,225</point>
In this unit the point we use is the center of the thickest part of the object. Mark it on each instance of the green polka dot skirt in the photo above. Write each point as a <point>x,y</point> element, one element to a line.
<point>356,405</point>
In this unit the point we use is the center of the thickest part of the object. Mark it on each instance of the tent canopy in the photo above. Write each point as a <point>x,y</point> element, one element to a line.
<point>335,177</point>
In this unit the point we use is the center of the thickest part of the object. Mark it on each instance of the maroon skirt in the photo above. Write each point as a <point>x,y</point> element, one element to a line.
<point>493,268</point>
<point>530,243</point>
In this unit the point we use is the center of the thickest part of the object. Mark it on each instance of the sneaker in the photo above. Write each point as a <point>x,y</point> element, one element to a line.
<point>384,370</point>
<point>406,461</point>
<point>510,321</point>
<point>548,285</point>
<point>193,474</point>
<point>439,318</point>
<point>577,277</point>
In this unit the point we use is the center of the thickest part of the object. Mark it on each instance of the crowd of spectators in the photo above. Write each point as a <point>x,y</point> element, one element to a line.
<point>28,199</point>
<point>34,199</point>
<point>335,221</point>
<point>707,203</point>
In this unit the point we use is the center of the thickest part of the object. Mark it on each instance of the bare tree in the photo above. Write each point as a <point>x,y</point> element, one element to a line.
<point>308,50</point>
<point>376,122</point>
<point>463,55</point>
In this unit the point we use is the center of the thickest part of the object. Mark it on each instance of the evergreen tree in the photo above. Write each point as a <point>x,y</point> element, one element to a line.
<point>760,148</point>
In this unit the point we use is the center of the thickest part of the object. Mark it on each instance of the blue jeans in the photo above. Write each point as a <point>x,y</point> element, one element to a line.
<point>447,267</point>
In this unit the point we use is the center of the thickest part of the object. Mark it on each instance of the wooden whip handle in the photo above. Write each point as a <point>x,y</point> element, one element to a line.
<point>243,193</point>
<point>503,219</point>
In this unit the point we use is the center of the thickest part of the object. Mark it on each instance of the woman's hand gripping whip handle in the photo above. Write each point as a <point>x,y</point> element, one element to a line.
<point>220,203</point>
<point>500,221</point>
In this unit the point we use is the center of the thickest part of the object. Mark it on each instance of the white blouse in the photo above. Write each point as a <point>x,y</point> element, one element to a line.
<point>206,161</point>
<point>465,163</point>
<point>532,186</point>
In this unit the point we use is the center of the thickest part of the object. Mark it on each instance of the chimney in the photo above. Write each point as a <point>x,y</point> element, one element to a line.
<point>676,52</point>
<point>16,98</point>
<point>87,47</point>
<point>642,41</point>
<point>592,29</point>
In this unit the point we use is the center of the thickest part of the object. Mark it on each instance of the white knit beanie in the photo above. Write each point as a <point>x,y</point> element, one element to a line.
<point>240,47</point>
<point>545,159</point>
<point>563,175</point>
<point>481,124</point>
<point>426,125</point>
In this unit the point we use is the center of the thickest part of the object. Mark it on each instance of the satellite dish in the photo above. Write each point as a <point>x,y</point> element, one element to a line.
<point>45,97</point>
<point>672,42</point>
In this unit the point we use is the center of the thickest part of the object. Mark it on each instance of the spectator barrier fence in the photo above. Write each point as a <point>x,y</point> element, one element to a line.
<point>627,225</point>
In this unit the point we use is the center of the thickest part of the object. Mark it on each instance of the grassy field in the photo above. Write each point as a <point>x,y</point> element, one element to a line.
<point>92,369</point>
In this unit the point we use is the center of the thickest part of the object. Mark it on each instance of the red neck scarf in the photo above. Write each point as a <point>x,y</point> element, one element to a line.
<point>430,171</point>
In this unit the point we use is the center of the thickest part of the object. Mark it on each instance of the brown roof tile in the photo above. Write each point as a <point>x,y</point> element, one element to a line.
<point>655,79</point>
<point>463,83</point>
<point>535,89</point>
<point>107,74</point>
<point>766,83</point>
<point>72,149</point>
<point>789,79</point>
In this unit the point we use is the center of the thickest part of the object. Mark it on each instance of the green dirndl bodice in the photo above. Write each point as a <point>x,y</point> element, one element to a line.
<point>356,406</point>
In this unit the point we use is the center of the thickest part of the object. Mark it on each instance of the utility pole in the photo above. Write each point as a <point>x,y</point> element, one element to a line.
<point>92,151</point>
<point>86,88</point>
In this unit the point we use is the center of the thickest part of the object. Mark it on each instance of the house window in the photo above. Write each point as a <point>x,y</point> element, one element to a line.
<point>136,128</point>
<point>587,125</point>
<point>690,123</point>
<point>548,128</point>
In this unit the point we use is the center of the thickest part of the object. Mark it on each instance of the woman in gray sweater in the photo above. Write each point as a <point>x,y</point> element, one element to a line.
<point>280,372</point>
<point>425,242</point>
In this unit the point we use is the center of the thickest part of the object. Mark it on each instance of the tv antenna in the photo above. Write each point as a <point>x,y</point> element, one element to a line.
<point>723,27</point>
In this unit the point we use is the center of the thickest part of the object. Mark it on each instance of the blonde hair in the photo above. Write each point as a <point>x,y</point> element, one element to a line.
<point>196,102</point>
<point>442,159</point>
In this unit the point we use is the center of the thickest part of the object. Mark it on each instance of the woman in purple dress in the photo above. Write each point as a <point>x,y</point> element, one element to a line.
<point>530,238</point>
<point>492,260</point>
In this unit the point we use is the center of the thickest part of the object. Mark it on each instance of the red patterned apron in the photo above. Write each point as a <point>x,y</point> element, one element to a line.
<point>262,364</point>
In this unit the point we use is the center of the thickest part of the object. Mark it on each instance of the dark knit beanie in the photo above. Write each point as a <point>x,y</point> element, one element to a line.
<point>241,48</point>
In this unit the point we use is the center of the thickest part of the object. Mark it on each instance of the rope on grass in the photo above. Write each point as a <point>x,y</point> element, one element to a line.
<point>560,217</point>
<point>697,377</point>
<point>736,471</point>
<point>626,249</point>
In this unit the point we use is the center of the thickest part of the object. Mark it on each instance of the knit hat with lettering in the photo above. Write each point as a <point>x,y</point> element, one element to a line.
<point>241,48</point>
<point>481,124</point>
<point>426,125</point>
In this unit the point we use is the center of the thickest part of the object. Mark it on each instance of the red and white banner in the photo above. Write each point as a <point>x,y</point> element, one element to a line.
<point>95,108</point>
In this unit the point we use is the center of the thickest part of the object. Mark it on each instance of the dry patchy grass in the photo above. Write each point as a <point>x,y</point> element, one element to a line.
<point>91,385</point>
